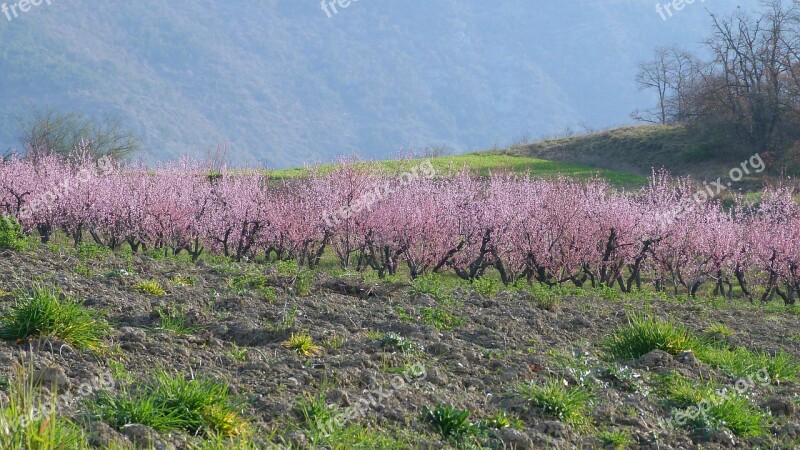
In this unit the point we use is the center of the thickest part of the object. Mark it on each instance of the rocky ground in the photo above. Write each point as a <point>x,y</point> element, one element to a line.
<point>448,345</point>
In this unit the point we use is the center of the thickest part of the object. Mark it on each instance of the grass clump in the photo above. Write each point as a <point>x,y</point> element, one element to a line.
<point>433,285</point>
<point>644,334</point>
<point>302,344</point>
<point>441,318</point>
<point>286,323</point>
<point>743,363</point>
<point>11,235</point>
<point>702,408</point>
<point>174,319</point>
<point>301,279</point>
<point>720,329</point>
<point>616,439</point>
<point>326,426</point>
<point>171,402</point>
<point>334,341</point>
<point>151,287</point>
<point>487,287</point>
<point>453,424</point>
<point>20,428</point>
<point>184,281</point>
<point>88,251</point>
<point>545,298</point>
<point>48,313</point>
<point>554,398</point>
<point>241,354</point>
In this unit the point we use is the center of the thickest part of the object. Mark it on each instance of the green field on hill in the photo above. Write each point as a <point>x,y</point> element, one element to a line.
<point>487,163</point>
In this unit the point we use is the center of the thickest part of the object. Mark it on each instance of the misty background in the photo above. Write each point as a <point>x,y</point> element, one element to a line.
<point>285,84</point>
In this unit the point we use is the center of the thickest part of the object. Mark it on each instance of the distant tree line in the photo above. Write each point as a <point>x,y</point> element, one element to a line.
<point>750,82</point>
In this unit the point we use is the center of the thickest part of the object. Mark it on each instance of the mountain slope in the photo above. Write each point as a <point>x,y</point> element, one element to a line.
<point>285,84</point>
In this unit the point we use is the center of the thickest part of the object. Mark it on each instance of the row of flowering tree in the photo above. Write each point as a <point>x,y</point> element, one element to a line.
<point>527,230</point>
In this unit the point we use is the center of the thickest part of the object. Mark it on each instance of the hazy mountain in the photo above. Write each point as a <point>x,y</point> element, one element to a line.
<point>285,84</point>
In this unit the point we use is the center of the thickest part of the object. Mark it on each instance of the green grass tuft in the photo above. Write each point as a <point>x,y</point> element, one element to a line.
<point>47,312</point>
<point>441,318</point>
<point>151,287</point>
<point>616,439</point>
<point>743,363</point>
<point>302,344</point>
<point>46,430</point>
<point>173,319</point>
<point>453,424</point>
<point>487,287</point>
<point>644,334</point>
<point>171,402</point>
<point>554,398</point>
<point>704,408</point>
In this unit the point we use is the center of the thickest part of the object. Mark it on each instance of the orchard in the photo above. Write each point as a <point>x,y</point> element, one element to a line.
<point>521,229</point>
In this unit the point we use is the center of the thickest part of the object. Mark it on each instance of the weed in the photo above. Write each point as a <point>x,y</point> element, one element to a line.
<point>719,328</point>
<point>453,424</point>
<point>625,378</point>
<point>20,428</point>
<point>150,287</point>
<point>487,287</point>
<point>302,279</point>
<point>403,315</point>
<point>11,235</point>
<point>242,284</point>
<point>608,293</point>
<point>500,420</point>
<point>302,344</point>
<point>543,297</point>
<point>269,294</point>
<point>287,322</point>
<point>433,285</point>
<point>556,399</point>
<point>171,402</point>
<point>118,273</point>
<point>87,251</point>
<point>644,334</point>
<point>441,318</point>
<point>174,319</point>
<point>240,354</point>
<point>184,281</point>
<point>617,439</point>
<point>394,341</point>
<point>47,312</point>
<point>83,271</point>
<point>334,341</point>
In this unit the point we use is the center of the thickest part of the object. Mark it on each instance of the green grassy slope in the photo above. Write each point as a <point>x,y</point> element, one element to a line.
<point>486,163</point>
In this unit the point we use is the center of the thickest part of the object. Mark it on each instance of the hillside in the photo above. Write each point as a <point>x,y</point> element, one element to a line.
<point>285,85</point>
<point>639,149</point>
